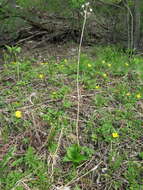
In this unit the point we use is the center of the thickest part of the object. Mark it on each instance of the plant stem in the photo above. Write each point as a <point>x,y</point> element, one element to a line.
<point>77,81</point>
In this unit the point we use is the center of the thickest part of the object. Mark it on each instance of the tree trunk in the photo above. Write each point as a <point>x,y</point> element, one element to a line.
<point>137,23</point>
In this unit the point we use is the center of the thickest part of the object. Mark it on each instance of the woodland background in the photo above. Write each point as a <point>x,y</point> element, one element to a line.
<point>112,21</point>
<point>71,119</point>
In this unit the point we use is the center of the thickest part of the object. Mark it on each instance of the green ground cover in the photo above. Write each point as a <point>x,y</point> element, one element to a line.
<point>38,106</point>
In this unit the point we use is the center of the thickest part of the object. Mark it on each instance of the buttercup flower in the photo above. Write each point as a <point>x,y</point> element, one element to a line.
<point>109,65</point>
<point>115,135</point>
<point>43,63</point>
<point>89,65</point>
<point>41,76</point>
<point>138,96</point>
<point>65,60</point>
<point>104,75</point>
<point>18,114</point>
<point>97,86</point>
<point>128,94</point>
<point>14,62</point>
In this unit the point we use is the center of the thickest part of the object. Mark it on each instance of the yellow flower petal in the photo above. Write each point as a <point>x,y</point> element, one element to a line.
<point>18,114</point>
<point>138,96</point>
<point>127,64</point>
<point>41,76</point>
<point>97,87</point>
<point>89,65</point>
<point>65,60</point>
<point>109,65</point>
<point>115,135</point>
<point>104,75</point>
<point>128,94</point>
<point>14,62</point>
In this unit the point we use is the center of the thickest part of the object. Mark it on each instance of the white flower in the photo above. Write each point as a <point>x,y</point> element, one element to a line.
<point>82,6</point>
<point>90,10</point>
<point>87,4</point>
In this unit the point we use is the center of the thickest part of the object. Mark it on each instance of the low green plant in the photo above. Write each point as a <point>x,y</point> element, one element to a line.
<point>133,175</point>
<point>77,154</point>
<point>109,120</point>
<point>115,160</point>
<point>141,155</point>
<point>22,168</point>
<point>13,52</point>
<point>105,131</point>
<point>67,103</point>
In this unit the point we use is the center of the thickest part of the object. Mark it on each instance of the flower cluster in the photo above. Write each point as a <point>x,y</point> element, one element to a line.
<point>87,10</point>
<point>138,96</point>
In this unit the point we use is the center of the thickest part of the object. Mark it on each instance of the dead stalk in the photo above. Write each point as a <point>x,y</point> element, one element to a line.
<point>85,174</point>
<point>54,157</point>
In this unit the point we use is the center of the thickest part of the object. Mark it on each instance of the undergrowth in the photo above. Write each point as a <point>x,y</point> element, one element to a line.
<point>38,103</point>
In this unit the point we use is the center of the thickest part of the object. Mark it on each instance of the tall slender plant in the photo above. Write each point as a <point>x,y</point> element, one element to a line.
<point>86,11</point>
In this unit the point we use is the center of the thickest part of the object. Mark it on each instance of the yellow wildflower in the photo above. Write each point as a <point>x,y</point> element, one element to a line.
<point>97,87</point>
<point>103,62</point>
<point>127,64</point>
<point>128,94</point>
<point>41,76</point>
<point>89,65</point>
<point>109,65</point>
<point>14,62</point>
<point>65,60</point>
<point>18,114</point>
<point>43,63</point>
<point>138,96</point>
<point>115,135</point>
<point>104,75</point>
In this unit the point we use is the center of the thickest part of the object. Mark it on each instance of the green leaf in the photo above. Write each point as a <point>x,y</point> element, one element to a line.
<point>74,154</point>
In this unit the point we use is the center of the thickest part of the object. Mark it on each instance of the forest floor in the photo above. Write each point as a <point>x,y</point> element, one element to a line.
<point>38,112</point>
